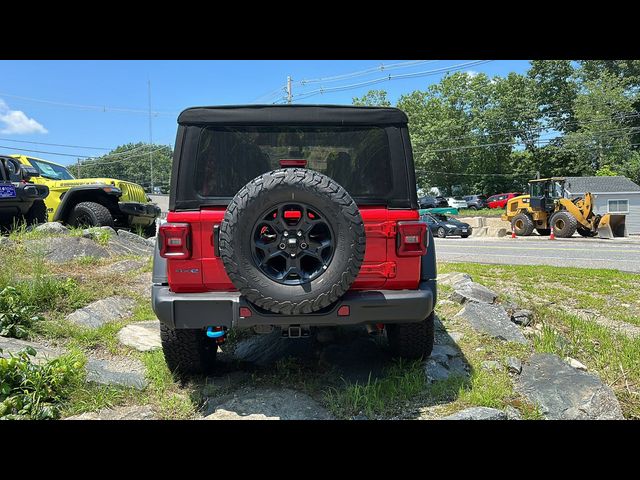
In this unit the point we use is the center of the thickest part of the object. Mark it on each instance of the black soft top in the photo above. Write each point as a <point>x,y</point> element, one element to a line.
<point>292,114</point>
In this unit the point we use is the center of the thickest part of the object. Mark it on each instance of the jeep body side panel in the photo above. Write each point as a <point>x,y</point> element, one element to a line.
<point>82,193</point>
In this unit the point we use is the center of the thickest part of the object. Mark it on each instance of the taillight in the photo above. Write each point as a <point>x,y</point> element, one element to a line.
<point>175,240</point>
<point>412,239</point>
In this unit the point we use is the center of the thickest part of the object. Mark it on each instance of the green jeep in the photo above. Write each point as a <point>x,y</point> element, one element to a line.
<point>93,201</point>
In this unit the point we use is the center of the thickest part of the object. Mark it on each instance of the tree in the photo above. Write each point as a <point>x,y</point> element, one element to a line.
<point>556,90</point>
<point>131,162</point>
<point>373,98</point>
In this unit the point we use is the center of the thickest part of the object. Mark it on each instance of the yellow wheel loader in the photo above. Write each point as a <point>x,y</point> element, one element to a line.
<point>546,206</point>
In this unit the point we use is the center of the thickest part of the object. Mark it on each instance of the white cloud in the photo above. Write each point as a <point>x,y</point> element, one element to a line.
<point>17,122</point>
<point>471,73</point>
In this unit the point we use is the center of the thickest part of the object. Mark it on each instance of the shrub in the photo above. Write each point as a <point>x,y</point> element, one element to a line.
<point>35,391</point>
<point>15,315</point>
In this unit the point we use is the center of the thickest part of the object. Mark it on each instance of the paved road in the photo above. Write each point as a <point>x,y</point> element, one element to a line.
<point>620,254</point>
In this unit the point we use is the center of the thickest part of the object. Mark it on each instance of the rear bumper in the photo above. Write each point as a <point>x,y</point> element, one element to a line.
<point>150,210</point>
<point>200,310</point>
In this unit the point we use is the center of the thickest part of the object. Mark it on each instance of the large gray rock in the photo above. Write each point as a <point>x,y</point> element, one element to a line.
<point>445,361</point>
<point>125,371</point>
<point>94,233</point>
<point>52,228</point>
<point>491,320</point>
<point>522,317</point>
<point>472,292</point>
<point>478,413</point>
<point>563,392</point>
<point>103,311</point>
<point>222,414</point>
<point>127,243</point>
<point>453,278</point>
<point>123,266</point>
<point>283,404</point>
<point>135,412</point>
<point>44,353</point>
<point>64,249</point>
<point>143,336</point>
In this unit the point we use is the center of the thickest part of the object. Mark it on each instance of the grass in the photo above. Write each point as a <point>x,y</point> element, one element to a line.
<point>483,212</point>
<point>557,296</point>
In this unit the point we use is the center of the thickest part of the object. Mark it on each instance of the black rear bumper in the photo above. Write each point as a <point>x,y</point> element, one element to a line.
<point>26,194</point>
<point>200,310</point>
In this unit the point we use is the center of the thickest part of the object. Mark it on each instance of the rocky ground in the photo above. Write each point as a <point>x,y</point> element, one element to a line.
<point>490,360</point>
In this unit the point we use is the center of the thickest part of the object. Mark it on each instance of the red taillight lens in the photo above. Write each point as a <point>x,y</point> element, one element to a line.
<point>175,240</point>
<point>294,162</point>
<point>411,239</point>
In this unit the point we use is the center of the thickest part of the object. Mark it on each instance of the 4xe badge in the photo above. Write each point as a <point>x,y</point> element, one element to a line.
<point>187,270</point>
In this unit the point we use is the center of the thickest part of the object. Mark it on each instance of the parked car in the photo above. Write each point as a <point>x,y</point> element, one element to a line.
<point>260,237</point>
<point>456,202</point>
<point>500,200</point>
<point>20,200</point>
<point>476,202</point>
<point>427,202</point>
<point>92,201</point>
<point>444,226</point>
<point>441,202</point>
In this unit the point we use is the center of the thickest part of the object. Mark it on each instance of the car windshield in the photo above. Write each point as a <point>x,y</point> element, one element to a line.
<point>442,218</point>
<point>51,171</point>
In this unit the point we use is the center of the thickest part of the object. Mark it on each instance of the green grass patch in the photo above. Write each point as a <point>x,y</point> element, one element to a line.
<point>483,212</point>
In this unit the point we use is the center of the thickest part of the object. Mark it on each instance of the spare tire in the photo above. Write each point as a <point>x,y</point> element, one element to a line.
<point>292,241</point>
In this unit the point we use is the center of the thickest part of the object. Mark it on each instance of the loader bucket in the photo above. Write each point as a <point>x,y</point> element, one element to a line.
<point>612,225</point>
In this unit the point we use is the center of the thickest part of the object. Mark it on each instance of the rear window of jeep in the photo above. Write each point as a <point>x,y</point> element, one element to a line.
<point>356,157</point>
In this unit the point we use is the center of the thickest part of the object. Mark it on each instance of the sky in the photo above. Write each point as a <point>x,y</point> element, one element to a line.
<point>94,106</point>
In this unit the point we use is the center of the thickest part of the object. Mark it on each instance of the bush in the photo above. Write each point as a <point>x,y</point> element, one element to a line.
<point>35,392</point>
<point>15,315</point>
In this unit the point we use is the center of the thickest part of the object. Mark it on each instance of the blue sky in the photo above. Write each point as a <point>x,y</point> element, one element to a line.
<point>86,86</point>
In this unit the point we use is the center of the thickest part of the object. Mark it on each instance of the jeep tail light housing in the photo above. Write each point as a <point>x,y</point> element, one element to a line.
<point>175,240</point>
<point>412,239</point>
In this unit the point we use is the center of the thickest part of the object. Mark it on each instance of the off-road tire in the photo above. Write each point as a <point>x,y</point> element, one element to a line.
<point>569,224</point>
<point>441,232</point>
<point>411,340</point>
<point>37,213</point>
<point>543,232</point>
<point>292,185</point>
<point>522,224</point>
<point>90,214</point>
<point>585,232</point>
<point>473,207</point>
<point>188,352</point>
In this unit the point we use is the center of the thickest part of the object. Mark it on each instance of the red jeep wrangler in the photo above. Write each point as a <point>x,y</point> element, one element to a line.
<point>292,217</point>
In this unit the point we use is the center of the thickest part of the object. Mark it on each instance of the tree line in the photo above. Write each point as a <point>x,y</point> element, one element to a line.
<point>491,135</point>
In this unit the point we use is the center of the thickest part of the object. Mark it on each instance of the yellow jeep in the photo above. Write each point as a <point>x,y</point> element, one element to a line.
<point>92,201</point>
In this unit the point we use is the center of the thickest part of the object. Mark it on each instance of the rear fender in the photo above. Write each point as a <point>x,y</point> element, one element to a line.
<point>84,193</point>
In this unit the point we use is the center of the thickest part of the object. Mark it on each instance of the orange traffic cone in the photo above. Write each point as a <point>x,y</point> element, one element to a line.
<point>513,231</point>
<point>552,236</point>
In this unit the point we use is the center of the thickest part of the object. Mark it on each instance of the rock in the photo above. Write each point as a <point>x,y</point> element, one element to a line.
<point>44,353</point>
<point>135,412</point>
<point>563,392</point>
<point>446,350</point>
<point>93,232</point>
<point>435,371</point>
<point>124,371</point>
<point>102,311</point>
<point>216,385</point>
<point>151,241</point>
<point>143,336</point>
<point>491,365</point>
<point>514,365</point>
<point>472,292</point>
<point>496,232</point>
<point>512,413</point>
<point>223,414</point>
<point>52,228</point>
<point>576,364</point>
<point>122,266</point>
<point>491,320</point>
<point>64,249</point>
<point>269,348</point>
<point>281,403</point>
<point>453,278</point>
<point>522,317</point>
<point>478,413</point>
<point>127,243</point>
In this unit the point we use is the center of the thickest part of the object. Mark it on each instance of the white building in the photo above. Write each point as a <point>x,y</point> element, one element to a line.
<point>611,195</point>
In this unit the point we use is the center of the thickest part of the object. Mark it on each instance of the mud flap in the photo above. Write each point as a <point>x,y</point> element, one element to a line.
<point>612,225</point>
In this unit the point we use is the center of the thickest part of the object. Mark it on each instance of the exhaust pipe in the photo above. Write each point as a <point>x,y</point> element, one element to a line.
<point>612,225</point>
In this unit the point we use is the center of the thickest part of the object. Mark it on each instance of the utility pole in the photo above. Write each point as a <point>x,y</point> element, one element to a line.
<point>289,89</point>
<point>150,140</point>
<point>78,168</point>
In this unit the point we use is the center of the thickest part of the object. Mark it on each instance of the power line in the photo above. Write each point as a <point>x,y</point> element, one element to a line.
<point>425,73</point>
<point>55,144</point>
<point>102,108</point>
<point>79,156</point>
<point>368,71</point>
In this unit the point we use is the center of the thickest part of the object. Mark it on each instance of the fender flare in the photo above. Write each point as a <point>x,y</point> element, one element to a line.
<point>70,195</point>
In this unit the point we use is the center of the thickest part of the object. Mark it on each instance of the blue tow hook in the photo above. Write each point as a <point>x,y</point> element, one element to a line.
<point>211,333</point>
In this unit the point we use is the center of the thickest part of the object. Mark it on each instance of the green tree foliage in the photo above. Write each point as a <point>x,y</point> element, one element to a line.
<point>132,162</point>
<point>476,134</point>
